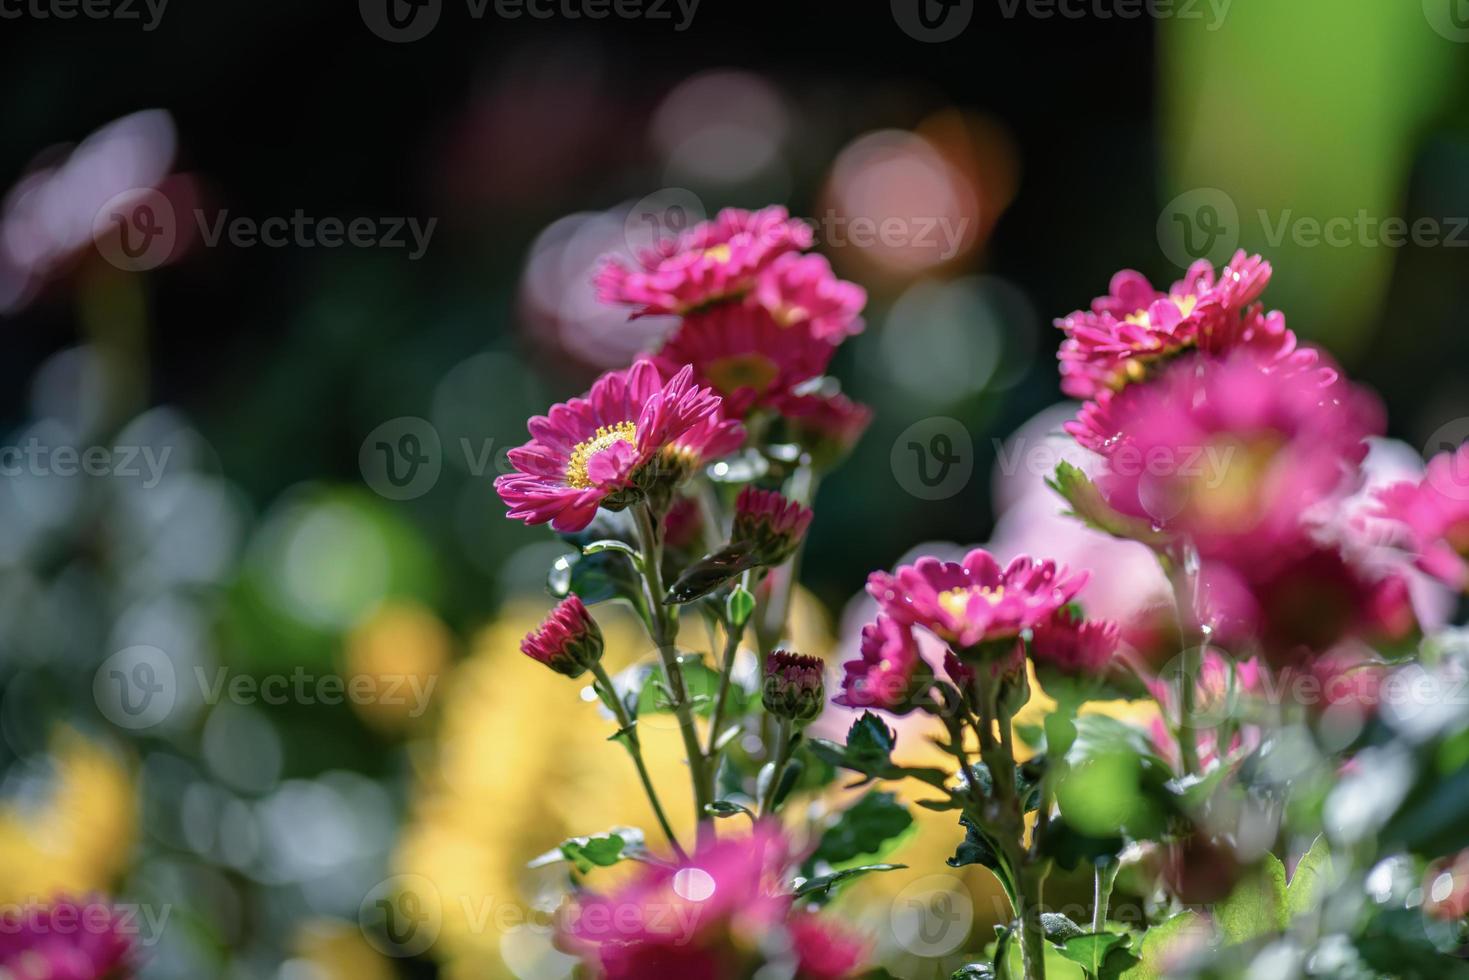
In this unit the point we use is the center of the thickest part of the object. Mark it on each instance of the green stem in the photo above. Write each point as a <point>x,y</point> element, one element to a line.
<point>732,636</point>
<point>1106,875</point>
<point>1032,932</point>
<point>782,757</point>
<point>635,749</point>
<point>663,627</point>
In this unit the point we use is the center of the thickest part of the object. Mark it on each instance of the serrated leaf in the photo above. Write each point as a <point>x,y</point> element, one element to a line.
<point>1102,954</point>
<point>1159,946</point>
<point>1089,507</point>
<point>1312,878</point>
<point>1257,906</point>
<point>814,889</point>
<point>863,829</point>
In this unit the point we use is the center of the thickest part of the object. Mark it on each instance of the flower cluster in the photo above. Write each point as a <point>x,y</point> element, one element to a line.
<point>642,477</point>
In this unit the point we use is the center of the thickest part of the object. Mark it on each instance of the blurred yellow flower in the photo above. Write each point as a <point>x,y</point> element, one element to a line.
<point>337,950</point>
<point>79,836</point>
<point>397,653</point>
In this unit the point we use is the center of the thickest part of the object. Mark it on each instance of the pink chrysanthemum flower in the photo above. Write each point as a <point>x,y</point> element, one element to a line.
<point>569,641</point>
<point>65,939</point>
<point>802,289</point>
<point>1136,326</point>
<point>889,675</point>
<point>826,426</point>
<point>594,451</point>
<point>703,919</point>
<point>1300,602</point>
<point>1073,645</point>
<point>713,262</point>
<point>741,352</point>
<point>1434,516</point>
<point>1231,453</point>
<point>825,949</point>
<point>769,523</point>
<point>975,601</point>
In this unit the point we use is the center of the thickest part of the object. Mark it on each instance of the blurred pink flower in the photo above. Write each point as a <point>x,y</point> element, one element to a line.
<point>1074,645</point>
<point>825,949</point>
<point>799,289</point>
<point>712,262</point>
<point>742,353</point>
<point>586,452</point>
<point>712,917</point>
<point>1135,326</point>
<point>827,426</point>
<point>65,939</point>
<point>1432,516</point>
<point>1233,455</point>
<point>974,600</point>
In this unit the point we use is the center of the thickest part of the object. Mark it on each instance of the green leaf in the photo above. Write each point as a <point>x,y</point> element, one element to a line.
<point>724,808</point>
<point>820,887</point>
<point>1257,906</point>
<point>975,848</point>
<point>1105,955</point>
<point>612,544</point>
<point>1311,880</point>
<point>1059,928</point>
<point>700,682</point>
<point>869,751</point>
<point>1088,506</point>
<point>600,851</point>
<point>711,572</point>
<point>863,829</point>
<point>974,971</point>
<point>1158,945</point>
<point>739,606</point>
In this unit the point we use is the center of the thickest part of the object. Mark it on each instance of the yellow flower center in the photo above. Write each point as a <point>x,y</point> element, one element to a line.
<point>718,253</point>
<point>955,602</point>
<point>1185,306</point>
<point>606,437</point>
<point>730,374</point>
<point>787,316</point>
